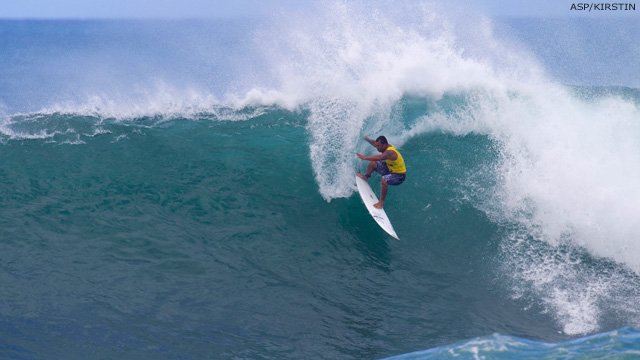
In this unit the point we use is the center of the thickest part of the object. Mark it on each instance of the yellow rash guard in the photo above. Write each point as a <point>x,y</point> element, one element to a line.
<point>396,166</point>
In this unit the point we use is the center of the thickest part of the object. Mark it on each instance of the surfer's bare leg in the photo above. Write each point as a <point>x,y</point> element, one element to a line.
<point>370,168</point>
<point>383,194</point>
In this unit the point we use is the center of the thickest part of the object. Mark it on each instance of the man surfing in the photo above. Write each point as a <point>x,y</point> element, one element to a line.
<point>389,164</point>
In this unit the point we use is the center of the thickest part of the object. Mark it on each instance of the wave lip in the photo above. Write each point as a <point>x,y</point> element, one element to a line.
<point>350,64</point>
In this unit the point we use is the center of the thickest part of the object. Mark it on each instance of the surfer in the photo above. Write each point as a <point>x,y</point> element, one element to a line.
<point>389,164</point>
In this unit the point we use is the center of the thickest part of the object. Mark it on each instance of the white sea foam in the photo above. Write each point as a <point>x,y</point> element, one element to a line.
<point>568,172</point>
<point>348,64</point>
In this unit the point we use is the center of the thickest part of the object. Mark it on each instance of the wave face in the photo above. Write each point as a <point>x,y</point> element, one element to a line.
<point>194,180</point>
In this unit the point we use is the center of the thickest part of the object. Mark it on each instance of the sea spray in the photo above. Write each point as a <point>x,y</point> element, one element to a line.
<point>350,65</point>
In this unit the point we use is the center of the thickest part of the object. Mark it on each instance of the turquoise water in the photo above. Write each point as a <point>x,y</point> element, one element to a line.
<point>202,206</point>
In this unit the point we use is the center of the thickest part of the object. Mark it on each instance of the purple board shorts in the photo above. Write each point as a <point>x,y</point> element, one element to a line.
<point>391,178</point>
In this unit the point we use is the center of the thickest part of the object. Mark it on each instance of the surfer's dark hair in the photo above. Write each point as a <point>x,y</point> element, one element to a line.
<point>382,140</point>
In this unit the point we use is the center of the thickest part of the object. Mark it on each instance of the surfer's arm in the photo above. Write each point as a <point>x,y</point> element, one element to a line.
<point>369,140</point>
<point>384,156</point>
<point>369,158</point>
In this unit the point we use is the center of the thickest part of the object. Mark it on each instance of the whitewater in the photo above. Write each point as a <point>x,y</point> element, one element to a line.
<point>185,188</point>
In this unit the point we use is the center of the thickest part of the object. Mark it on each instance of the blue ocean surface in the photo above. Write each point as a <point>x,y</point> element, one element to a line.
<point>617,344</point>
<point>184,189</point>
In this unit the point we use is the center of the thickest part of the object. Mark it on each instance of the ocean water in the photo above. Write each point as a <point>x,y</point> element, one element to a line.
<point>184,189</point>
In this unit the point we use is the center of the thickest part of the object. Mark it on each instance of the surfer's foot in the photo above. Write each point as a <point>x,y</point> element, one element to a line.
<point>364,177</point>
<point>378,205</point>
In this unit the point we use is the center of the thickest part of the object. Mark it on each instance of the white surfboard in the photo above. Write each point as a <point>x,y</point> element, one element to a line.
<point>369,198</point>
